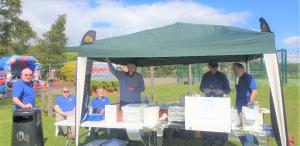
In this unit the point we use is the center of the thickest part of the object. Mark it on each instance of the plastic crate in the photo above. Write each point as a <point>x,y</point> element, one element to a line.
<point>133,113</point>
<point>115,142</point>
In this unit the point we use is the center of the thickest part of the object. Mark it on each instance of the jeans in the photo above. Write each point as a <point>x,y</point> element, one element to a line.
<point>248,140</point>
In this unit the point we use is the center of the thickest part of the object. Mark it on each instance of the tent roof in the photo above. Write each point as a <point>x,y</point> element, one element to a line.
<point>182,43</point>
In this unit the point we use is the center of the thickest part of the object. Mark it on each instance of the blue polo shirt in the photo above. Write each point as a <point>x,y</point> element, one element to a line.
<point>215,81</point>
<point>66,104</point>
<point>98,104</point>
<point>25,93</point>
<point>245,85</point>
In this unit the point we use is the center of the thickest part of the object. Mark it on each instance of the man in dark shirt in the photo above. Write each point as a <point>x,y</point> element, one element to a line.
<point>131,83</point>
<point>214,83</point>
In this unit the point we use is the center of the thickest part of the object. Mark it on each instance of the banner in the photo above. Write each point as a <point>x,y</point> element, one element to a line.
<point>100,71</point>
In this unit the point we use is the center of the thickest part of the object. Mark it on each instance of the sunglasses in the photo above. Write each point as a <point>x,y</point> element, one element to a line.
<point>66,91</point>
<point>28,75</point>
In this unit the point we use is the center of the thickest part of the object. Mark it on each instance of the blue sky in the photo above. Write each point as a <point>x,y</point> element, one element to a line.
<point>114,18</point>
<point>282,15</point>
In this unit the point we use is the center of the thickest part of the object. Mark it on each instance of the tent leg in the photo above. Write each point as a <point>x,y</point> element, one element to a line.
<point>80,82</point>
<point>152,83</point>
<point>190,80</point>
<point>248,67</point>
<point>278,111</point>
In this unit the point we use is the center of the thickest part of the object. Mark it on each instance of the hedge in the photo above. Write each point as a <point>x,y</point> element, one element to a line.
<point>107,85</point>
<point>67,71</point>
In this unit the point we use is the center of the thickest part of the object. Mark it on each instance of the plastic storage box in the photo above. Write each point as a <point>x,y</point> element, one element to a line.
<point>133,113</point>
<point>96,142</point>
<point>151,116</point>
<point>176,114</point>
<point>115,142</point>
<point>250,118</point>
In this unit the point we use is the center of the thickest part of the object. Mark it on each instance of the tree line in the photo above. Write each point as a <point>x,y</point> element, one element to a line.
<point>18,37</point>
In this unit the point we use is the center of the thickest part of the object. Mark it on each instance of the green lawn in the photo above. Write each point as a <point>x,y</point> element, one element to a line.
<point>164,93</point>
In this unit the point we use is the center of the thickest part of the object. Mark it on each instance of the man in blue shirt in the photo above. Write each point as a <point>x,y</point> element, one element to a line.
<point>214,83</point>
<point>131,84</point>
<point>246,91</point>
<point>65,108</point>
<point>23,92</point>
<point>99,102</point>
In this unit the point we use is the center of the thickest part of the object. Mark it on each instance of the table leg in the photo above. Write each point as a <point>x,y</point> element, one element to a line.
<point>56,131</point>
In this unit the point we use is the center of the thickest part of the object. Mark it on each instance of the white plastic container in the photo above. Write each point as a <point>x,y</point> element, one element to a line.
<point>111,113</point>
<point>133,113</point>
<point>176,114</point>
<point>151,116</point>
<point>250,119</point>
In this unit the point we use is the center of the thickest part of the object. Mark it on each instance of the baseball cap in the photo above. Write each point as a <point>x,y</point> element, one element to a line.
<point>213,63</point>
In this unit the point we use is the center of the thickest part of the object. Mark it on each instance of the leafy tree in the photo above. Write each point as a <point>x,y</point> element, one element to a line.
<point>50,49</point>
<point>15,33</point>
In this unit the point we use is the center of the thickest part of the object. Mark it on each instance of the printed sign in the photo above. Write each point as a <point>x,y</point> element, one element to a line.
<point>100,71</point>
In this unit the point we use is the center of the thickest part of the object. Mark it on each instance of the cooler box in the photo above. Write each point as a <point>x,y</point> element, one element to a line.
<point>133,113</point>
<point>27,128</point>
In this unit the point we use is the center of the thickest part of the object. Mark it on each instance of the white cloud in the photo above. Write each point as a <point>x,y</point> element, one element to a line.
<point>292,42</point>
<point>123,19</point>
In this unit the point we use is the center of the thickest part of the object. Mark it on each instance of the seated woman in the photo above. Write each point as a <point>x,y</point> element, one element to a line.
<point>99,102</point>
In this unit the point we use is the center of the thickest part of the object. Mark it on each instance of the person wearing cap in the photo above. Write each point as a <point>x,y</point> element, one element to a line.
<point>214,83</point>
<point>246,91</point>
<point>64,108</point>
<point>23,95</point>
<point>131,83</point>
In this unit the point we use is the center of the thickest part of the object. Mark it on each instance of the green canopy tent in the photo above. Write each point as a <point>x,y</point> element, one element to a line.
<point>183,43</point>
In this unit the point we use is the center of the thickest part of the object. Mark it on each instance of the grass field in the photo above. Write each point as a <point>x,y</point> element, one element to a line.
<point>164,93</point>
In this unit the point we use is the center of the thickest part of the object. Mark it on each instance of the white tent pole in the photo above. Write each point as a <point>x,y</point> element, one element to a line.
<point>81,71</point>
<point>274,80</point>
<point>152,83</point>
<point>190,80</point>
<point>248,67</point>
